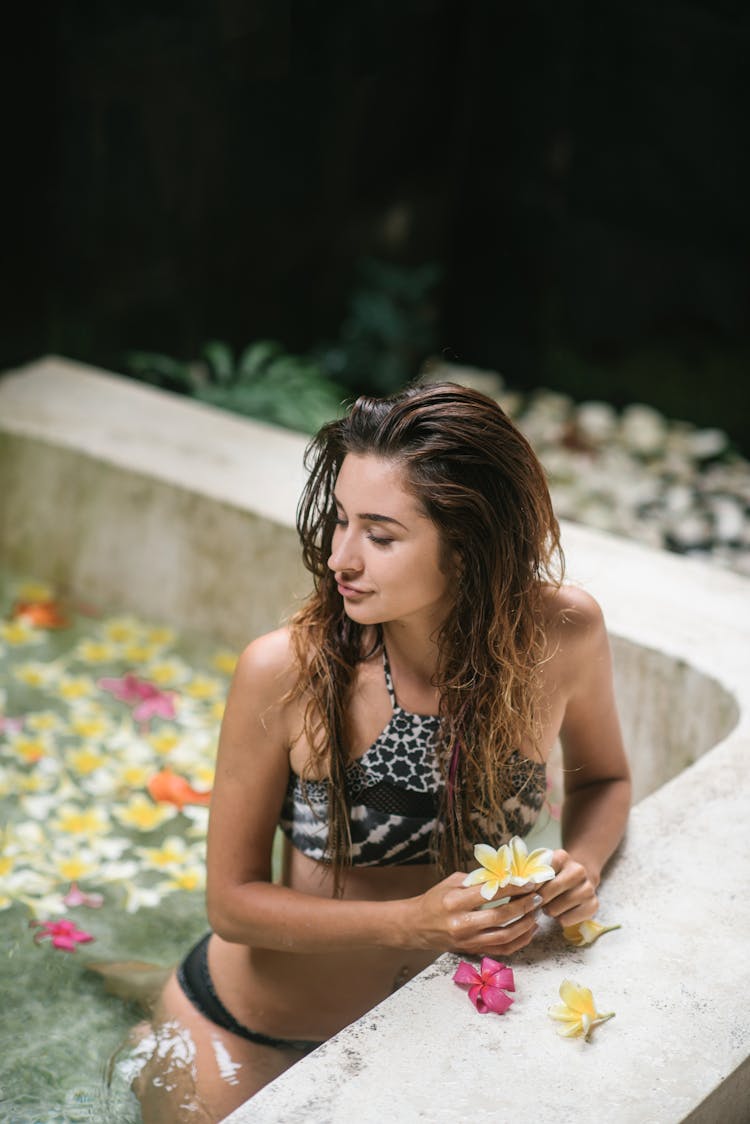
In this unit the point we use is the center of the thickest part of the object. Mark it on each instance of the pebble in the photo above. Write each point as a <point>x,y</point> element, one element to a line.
<point>663,482</point>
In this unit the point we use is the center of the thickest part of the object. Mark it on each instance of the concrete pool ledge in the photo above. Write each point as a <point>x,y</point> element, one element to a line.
<point>134,498</point>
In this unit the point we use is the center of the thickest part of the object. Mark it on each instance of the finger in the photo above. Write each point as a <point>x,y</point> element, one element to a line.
<point>502,916</point>
<point>560,906</point>
<point>502,942</point>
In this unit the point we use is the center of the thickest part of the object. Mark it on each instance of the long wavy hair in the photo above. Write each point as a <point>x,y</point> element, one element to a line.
<point>477,478</point>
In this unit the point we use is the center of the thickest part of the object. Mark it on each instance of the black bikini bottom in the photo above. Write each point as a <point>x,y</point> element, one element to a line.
<point>194,979</point>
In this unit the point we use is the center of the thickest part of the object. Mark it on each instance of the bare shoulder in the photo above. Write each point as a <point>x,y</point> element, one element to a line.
<point>572,612</point>
<point>267,669</point>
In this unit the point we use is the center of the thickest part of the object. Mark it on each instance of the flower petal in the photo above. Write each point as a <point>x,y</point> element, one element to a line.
<point>476,877</point>
<point>466,975</point>
<point>503,978</point>
<point>577,998</point>
<point>475,995</point>
<point>496,1000</point>
<point>586,932</point>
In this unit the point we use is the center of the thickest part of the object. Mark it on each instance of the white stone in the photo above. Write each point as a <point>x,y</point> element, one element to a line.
<point>643,429</point>
<point>597,420</point>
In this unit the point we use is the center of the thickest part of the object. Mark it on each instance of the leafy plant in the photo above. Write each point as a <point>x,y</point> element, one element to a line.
<point>263,382</point>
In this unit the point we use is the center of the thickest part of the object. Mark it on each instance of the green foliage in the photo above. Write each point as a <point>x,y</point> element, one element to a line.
<point>263,383</point>
<point>388,330</point>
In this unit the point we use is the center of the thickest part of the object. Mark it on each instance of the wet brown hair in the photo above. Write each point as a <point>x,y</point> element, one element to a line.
<point>479,481</point>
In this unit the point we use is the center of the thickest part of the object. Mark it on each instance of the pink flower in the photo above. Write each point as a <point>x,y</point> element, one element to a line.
<point>486,985</point>
<point>145,698</point>
<point>76,897</point>
<point>64,934</point>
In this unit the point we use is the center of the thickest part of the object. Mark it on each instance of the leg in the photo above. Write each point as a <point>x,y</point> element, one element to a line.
<point>195,1072</point>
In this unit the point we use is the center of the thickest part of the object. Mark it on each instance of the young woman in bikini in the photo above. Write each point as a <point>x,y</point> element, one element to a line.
<point>405,714</point>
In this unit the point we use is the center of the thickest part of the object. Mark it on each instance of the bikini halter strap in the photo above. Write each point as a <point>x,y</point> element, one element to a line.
<point>388,680</point>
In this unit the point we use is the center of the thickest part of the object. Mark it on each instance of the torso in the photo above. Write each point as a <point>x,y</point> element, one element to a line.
<point>262,988</point>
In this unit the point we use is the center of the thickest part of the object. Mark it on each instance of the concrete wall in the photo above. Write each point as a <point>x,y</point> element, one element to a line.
<point>135,499</point>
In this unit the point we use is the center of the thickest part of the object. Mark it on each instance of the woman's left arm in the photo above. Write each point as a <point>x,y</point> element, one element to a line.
<point>597,776</point>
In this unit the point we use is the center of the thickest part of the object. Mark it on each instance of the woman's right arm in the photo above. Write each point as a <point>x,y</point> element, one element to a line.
<point>244,907</point>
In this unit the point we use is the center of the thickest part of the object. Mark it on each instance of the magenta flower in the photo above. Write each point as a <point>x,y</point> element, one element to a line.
<point>145,698</point>
<point>486,986</point>
<point>65,934</point>
<point>76,896</point>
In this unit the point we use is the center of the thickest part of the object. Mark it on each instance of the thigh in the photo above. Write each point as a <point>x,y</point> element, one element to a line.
<point>194,1071</point>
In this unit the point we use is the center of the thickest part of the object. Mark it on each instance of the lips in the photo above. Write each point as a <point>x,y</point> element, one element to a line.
<point>350,590</point>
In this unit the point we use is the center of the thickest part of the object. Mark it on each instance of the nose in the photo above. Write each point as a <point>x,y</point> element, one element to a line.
<point>344,557</point>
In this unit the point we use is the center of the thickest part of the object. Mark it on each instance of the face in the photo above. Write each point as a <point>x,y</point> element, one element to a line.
<point>386,552</point>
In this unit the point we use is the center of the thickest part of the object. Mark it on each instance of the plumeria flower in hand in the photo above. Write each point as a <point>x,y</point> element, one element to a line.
<point>65,934</point>
<point>529,867</point>
<point>487,987</point>
<point>494,871</point>
<point>586,932</point>
<point>577,1011</point>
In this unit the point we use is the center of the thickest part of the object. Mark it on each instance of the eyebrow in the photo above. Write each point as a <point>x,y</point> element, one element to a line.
<point>373,516</point>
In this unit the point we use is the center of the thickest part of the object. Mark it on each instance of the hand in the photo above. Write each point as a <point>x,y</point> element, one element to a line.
<point>448,918</point>
<point>570,896</point>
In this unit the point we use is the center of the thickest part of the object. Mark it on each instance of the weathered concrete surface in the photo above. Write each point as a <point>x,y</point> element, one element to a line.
<point>100,474</point>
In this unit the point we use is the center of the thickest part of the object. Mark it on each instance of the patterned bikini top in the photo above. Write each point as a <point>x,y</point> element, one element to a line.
<point>395,791</point>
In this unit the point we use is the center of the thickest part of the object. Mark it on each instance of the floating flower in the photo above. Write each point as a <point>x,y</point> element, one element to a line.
<point>65,934</point>
<point>168,673</point>
<point>488,986</point>
<point>164,741</point>
<point>169,787</point>
<point>75,897</point>
<point>73,687</point>
<point>143,814</point>
<point>18,633</point>
<point>204,687</point>
<point>586,932</point>
<point>147,700</point>
<point>72,820</point>
<point>225,661</point>
<point>34,673</point>
<point>171,855</point>
<point>529,867</point>
<point>40,614</point>
<point>190,879</point>
<point>577,1011</point>
<point>122,630</point>
<point>34,591</point>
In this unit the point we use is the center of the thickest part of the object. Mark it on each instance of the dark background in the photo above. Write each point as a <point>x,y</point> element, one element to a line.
<point>182,171</point>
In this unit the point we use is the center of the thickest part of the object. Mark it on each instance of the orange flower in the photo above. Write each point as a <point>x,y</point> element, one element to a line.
<point>170,788</point>
<point>40,614</point>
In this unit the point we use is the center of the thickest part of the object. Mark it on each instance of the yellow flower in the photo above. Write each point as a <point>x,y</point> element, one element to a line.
<point>204,687</point>
<point>29,750</point>
<point>122,630</point>
<point>217,709</point>
<point>134,776</point>
<point>586,932</point>
<point>527,867</point>
<point>18,632</point>
<point>43,721</point>
<point>494,872</point>
<point>164,741</point>
<point>511,865</point>
<point>161,635</point>
<point>139,653</point>
<point>35,591</point>
<point>95,651</point>
<point>73,868</point>
<point>34,674</point>
<point>85,761</point>
<point>72,687</point>
<point>143,814</point>
<point>192,878</point>
<point>225,661</point>
<point>172,852</point>
<point>89,725</point>
<point>81,821</point>
<point>577,1011</point>
<point>166,673</point>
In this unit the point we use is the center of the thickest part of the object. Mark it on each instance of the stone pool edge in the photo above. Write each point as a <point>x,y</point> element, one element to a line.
<point>675,973</point>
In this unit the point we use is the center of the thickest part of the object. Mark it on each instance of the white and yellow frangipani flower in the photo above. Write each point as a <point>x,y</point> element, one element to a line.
<point>71,688</point>
<point>217,709</point>
<point>122,630</point>
<point>204,687</point>
<point>494,872</point>
<point>164,740</point>
<point>189,878</point>
<point>577,1011</point>
<point>35,673</point>
<point>137,654</point>
<point>19,632</point>
<point>225,661</point>
<point>132,775</point>
<point>142,814</point>
<point>85,761</point>
<point>529,867</point>
<point>73,820</point>
<point>171,855</point>
<point>76,867</point>
<point>29,750</point>
<point>167,673</point>
<point>46,722</point>
<point>161,635</point>
<point>586,932</point>
<point>136,897</point>
<point>31,590</point>
<point>94,651</point>
<point>90,724</point>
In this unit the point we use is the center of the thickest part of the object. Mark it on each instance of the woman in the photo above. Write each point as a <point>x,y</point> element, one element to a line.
<point>405,714</point>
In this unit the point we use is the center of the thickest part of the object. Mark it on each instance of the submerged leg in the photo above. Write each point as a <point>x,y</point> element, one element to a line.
<point>187,1070</point>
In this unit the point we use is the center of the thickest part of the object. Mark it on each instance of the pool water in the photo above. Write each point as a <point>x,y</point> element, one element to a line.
<point>92,709</point>
<point>107,723</point>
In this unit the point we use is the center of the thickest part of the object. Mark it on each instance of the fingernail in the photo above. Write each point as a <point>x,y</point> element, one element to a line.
<point>536,900</point>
